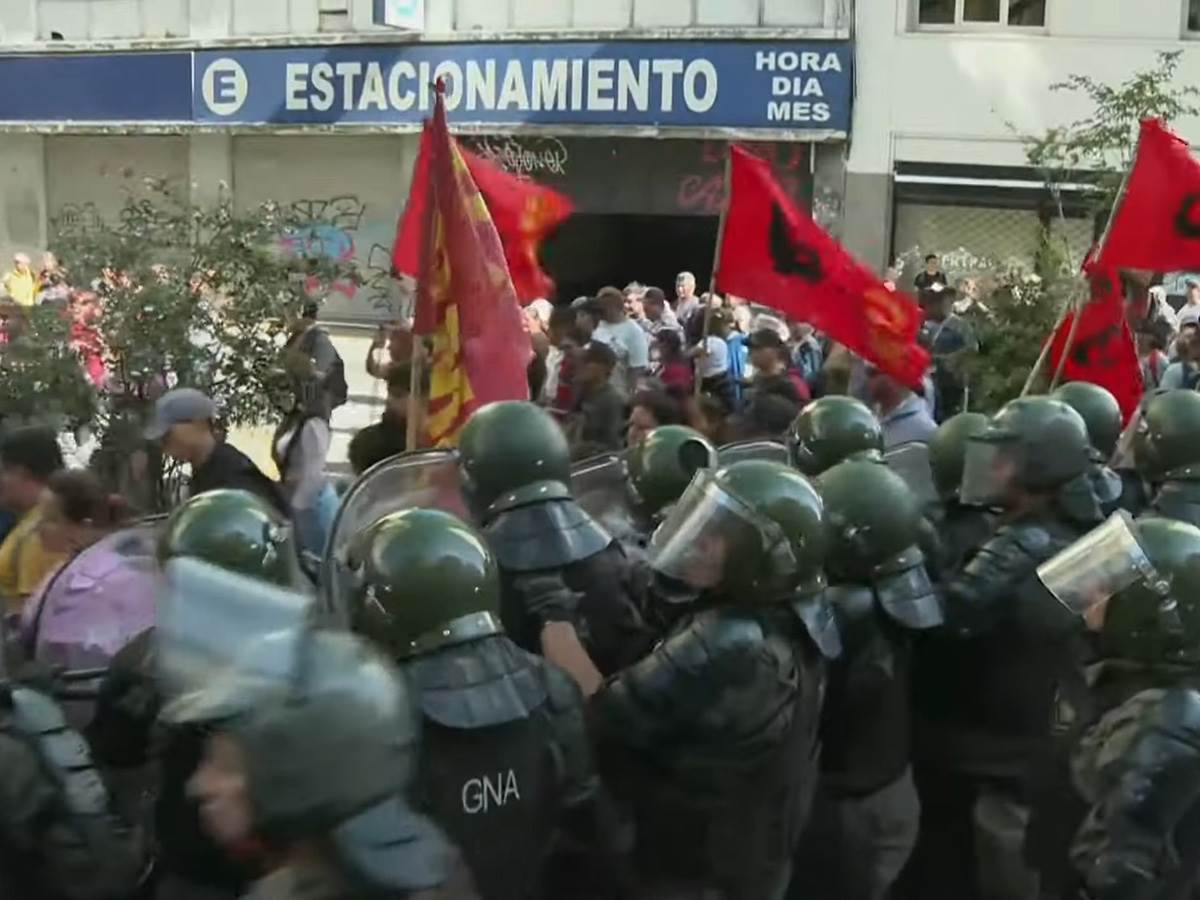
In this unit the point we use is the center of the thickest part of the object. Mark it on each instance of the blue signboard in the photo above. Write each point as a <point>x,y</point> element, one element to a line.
<point>734,84</point>
<point>783,85</point>
<point>99,87</point>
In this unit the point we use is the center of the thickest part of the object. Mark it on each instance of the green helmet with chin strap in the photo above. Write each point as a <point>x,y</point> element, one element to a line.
<point>426,580</point>
<point>1100,411</point>
<point>830,430</point>
<point>663,465</point>
<point>948,449</point>
<point>1166,443</point>
<point>234,530</point>
<point>510,454</point>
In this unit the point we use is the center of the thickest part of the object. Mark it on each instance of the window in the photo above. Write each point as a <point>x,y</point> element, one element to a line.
<point>983,13</point>
<point>1193,10</point>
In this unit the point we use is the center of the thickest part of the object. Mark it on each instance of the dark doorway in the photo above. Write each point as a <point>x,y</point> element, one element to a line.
<point>591,251</point>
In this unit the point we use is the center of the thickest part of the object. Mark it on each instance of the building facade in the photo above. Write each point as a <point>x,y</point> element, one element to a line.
<point>945,91</point>
<point>626,105</point>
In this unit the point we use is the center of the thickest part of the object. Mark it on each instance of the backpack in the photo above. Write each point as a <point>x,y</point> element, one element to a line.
<point>335,384</point>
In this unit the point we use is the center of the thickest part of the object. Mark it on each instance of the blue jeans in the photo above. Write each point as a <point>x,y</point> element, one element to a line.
<point>314,523</point>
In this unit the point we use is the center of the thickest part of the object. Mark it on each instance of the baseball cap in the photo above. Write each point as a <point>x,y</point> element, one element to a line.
<point>176,407</point>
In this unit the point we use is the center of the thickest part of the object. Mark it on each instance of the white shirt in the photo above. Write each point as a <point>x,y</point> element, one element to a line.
<point>717,359</point>
<point>628,340</point>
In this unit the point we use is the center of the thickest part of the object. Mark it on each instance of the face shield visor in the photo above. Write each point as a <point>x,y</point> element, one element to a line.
<point>1086,575</point>
<point>990,470</point>
<point>711,532</point>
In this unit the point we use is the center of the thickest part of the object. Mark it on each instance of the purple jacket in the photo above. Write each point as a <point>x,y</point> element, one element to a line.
<point>96,602</point>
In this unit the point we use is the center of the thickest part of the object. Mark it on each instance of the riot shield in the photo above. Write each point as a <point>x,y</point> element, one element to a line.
<point>1106,560</point>
<point>211,622</point>
<point>740,451</point>
<point>600,485</point>
<point>911,462</point>
<point>423,478</point>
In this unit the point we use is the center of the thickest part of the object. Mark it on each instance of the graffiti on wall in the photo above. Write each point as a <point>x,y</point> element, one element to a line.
<point>341,228</point>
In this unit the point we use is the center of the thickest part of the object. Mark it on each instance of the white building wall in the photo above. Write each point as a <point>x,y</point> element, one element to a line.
<point>24,21</point>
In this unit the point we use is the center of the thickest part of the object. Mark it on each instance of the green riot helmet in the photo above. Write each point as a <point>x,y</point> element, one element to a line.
<point>751,533</point>
<point>426,580</point>
<point>948,449</point>
<point>871,517</point>
<point>830,430</point>
<point>1167,438</point>
<point>1138,584</point>
<point>1034,444</point>
<point>663,465</point>
<point>235,530</point>
<point>1100,411</point>
<point>510,454</point>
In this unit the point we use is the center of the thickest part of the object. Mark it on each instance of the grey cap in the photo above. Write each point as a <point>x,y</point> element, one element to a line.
<point>176,407</point>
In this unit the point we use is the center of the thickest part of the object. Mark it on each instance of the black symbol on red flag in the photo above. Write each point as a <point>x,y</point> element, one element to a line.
<point>790,255</point>
<point>1187,219</point>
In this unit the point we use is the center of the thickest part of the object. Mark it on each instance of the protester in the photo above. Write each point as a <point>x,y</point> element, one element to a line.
<point>675,369</point>
<point>806,354</point>
<point>904,415</point>
<point>1153,358</point>
<point>184,423</point>
<point>931,275</point>
<point>29,458</point>
<point>650,410</point>
<point>772,367</point>
<point>587,316</point>
<point>597,421</point>
<point>687,306</point>
<point>19,282</point>
<point>1183,372</point>
<point>627,339</point>
<point>566,339</point>
<point>102,596</point>
<point>713,364</point>
<point>1189,313</point>
<point>389,435</point>
<point>398,338</point>
<point>657,316</point>
<point>725,325</point>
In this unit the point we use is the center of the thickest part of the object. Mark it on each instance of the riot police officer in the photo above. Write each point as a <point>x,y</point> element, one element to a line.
<point>1032,462</point>
<point>505,759</point>
<point>864,823</point>
<point>1128,808</point>
<point>242,533</point>
<point>59,836</point>
<point>961,529</point>
<point>712,738</point>
<point>1102,415</point>
<point>516,474</point>
<point>1166,451</point>
<point>311,747</point>
<point>830,430</point>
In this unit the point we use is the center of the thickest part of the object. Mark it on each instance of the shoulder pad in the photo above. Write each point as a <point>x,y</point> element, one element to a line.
<point>820,621</point>
<point>852,602</point>
<point>709,636</point>
<point>906,559</point>
<point>479,684</point>
<point>1032,539</point>
<point>907,595</point>
<point>546,535</point>
<point>1178,500</point>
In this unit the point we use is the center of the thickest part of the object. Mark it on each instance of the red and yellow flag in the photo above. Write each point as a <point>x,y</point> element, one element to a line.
<point>465,296</point>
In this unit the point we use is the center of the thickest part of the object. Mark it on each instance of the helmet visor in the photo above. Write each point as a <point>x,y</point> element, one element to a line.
<point>990,470</point>
<point>709,530</point>
<point>1106,560</point>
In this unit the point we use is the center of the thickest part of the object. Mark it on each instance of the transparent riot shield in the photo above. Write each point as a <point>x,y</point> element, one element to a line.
<point>740,451</point>
<point>209,620</point>
<point>1106,560</point>
<point>911,462</point>
<point>601,486</point>
<point>424,478</point>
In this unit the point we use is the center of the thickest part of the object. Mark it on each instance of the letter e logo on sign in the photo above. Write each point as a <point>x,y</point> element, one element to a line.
<point>224,86</point>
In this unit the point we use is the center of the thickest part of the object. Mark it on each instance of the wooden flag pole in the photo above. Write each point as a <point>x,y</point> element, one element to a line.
<point>1077,310</point>
<point>712,280</point>
<point>1041,360</point>
<point>416,363</point>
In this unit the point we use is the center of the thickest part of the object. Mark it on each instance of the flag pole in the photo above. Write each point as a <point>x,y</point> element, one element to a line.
<point>1041,360</point>
<point>1077,310</point>
<point>416,362</point>
<point>712,279</point>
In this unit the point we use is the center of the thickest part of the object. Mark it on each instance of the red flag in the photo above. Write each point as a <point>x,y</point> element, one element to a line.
<point>1156,225</point>
<point>465,297</point>
<point>1103,351</point>
<point>775,254</point>
<point>525,213</point>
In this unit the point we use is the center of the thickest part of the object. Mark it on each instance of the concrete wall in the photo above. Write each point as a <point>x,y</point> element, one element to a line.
<point>22,21</point>
<point>965,97</point>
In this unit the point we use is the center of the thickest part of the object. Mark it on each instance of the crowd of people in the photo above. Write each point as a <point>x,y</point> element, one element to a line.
<point>724,613</point>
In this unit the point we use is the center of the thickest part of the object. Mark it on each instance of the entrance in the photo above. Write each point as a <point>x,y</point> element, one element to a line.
<point>593,250</point>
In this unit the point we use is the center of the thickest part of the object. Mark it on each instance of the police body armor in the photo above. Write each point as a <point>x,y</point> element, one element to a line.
<point>80,848</point>
<point>1178,497</point>
<point>500,738</point>
<point>730,817</point>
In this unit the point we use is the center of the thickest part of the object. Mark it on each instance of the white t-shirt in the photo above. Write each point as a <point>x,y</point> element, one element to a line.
<point>628,340</point>
<point>716,360</point>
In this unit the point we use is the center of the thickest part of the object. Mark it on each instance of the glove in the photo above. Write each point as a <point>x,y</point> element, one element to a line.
<point>545,598</point>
